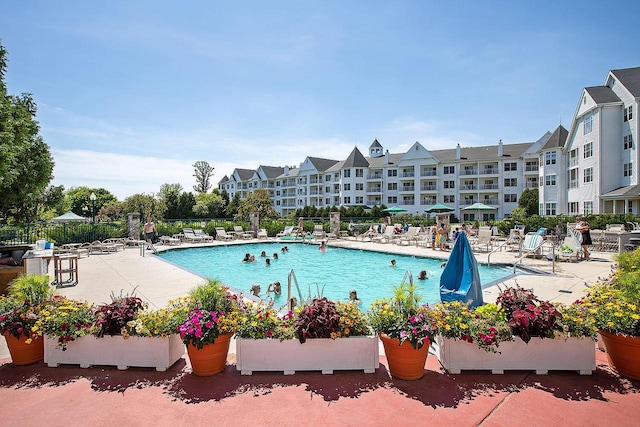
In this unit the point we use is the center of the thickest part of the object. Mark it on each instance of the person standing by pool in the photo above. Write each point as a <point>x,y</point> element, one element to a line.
<point>323,246</point>
<point>585,231</point>
<point>434,236</point>
<point>301,227</point>
<point>149,230</point>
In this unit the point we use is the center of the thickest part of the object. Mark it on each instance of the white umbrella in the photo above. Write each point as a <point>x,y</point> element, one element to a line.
<point>69,217</point>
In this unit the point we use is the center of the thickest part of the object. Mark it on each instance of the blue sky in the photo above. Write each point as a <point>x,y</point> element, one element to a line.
<point>131,94</point>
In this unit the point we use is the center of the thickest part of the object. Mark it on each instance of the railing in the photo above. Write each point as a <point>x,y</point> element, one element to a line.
<point>429,173</point>
<point>374,176</point>
<point>408,174</point>
<point>291,302</point>
<point>374,190</point>
<point>531,169</point>
<point>490,171</point>
<point>408,188</point>
<point>429,188</point>
<point>468,187</point>
<point>489,187</point>
<point>469,172</point>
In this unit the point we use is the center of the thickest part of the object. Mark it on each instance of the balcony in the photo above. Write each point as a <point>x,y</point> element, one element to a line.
<point>429,173</point>
<point>573,162</point>
<point>489,187</point>
<point>531,168</point>
<point>468,172</point>
<point>428,202</point>
<point>408,174</point>
<point>407,202</point>
<point>490,171</point>
<point>468,202</point>
<point>533,184</point>
<point>374,176</point>
<point>491,202</point>
<point>429,188</point>
<point>408,188</point>
<point>374,189</point>
<point>468,187</point>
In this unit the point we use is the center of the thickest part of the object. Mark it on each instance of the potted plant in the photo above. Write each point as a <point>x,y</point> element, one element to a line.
<point>320,336</point>
<point>520,332</point>
<point>123,333</point>
<point>406,329</point>
<point>19,313</point>
<point>209,326</point>
<point>613,306</point>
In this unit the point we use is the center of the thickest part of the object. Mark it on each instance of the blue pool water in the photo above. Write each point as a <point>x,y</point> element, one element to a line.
<point>332,273</point>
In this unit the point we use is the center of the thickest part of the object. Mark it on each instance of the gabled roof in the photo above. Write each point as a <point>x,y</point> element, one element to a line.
<point>375,143</point>
<point>630,78</point>
<point>485,153</point>
<point>629,191</point>
<point>244,174</point>
<point>272,172</point>
<point>355,160</point>
<point>557,139</point>
<point>322,165</point>
<point>380,162</point>
<point>602,94</point>
<point>224,179</point>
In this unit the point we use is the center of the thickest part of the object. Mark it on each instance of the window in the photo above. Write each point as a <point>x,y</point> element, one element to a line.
<point>627,169</point>
<point>550,158</point>
<point>549,208</point>
<point>510,198</point>
<point>327,189</point>
<point>449,198</point>
<point>392,186</point>
<point>392,200</point>
<point>347,200</point>
<point>359,200</point>
<point>573,157</point>
<point>327,178</point>
<point>628,113</point>
<point>511,182</point>
<point>511,166</point>
<point>346,173</point>
<point>573,208</point>
<point>359,186</point>
<point>573,178</point>
<point>588,125</point>
<point>588,175</point>
<point>346,187</point>
<point>588,208</point>
<point>550,179</point>
<point>359,173</point>
<point>392,172</point>
<point>588,150</point>
<point>628,142</point>
<point>449,184</point>
<point>449,170</point>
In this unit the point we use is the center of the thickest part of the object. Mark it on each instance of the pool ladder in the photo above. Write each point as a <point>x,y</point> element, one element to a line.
<point>291,301</point>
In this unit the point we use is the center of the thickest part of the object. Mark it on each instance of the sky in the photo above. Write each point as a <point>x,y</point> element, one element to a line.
<point>131,94</point>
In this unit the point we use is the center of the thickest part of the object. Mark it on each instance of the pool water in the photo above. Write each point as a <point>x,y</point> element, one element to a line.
<point>331,274</point>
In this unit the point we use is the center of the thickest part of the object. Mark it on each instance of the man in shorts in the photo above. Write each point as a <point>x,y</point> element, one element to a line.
<point>149,230</point>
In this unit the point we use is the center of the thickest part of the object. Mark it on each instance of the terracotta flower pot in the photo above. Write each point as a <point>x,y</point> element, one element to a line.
<point>212,358</point>
<point>623,352</point>
<point>23,353</point>
<point>405,362</point>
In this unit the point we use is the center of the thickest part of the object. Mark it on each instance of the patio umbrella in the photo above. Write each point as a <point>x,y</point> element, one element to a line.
<point>460,279</point>
<point>69,217</point>
<point>439,208</point>
<point>479,207</point>
<point>394,209</point>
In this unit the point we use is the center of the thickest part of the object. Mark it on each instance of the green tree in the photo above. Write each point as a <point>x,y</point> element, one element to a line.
<point>203,174</point>
<point>232,207</point>
<point>529,201</point>
<point>26,164</point>
<point>259,201</point>
<point>111,212</point>
<point>170,194</point>
<point>79,200</point>
<point>147,205</point>
<point>208,205</point>
<point>186,202</point>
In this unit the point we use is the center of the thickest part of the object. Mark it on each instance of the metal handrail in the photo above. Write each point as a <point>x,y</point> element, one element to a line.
<point>291,301</point>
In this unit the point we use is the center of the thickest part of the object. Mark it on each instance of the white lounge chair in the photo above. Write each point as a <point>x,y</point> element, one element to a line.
<point>318,232</point>
<point>409,236</point>
<point>170,241</point>
<point>483,240</point>
<point>287,232</point>
<point>239,233</point>
<point>221,234</point>
<point>569,250</point>
<point>202,235</point>
<point>262,234</point>
<point>388,235</point>
<point>190,236</point>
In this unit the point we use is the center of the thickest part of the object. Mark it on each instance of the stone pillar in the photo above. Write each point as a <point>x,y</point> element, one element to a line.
<point>334,224</point>
<point>254,223</point>
<point>133,221</point>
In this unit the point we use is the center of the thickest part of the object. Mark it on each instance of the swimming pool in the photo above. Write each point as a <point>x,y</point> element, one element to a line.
<point>332,273</point>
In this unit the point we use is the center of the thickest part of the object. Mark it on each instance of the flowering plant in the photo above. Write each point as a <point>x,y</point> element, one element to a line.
<point>112,318</point>
<point>66,319</point>
<point>20,310</point>
<point>214,311</point>
<point>486,326</point>
<point>260,321</point>
<point>402,317</point>
<point>613,305</point>
<point>327,319</point>
<point>159,323</point>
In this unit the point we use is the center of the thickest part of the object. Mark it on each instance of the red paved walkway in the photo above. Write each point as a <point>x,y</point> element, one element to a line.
<point>64,396</point>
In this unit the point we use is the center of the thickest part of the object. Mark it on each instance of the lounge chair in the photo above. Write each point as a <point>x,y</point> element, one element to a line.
<point>287,232</point>
<point>318,232</point>
<point>569,249</point>
<point>190,236</point>
<point>388,235</point>
<point>483,240</point>
<point>239,233</point>
<point>409,237</point>
<point>204,236</point>
<point>532,244</point>
<point>262,234</point>
<point>170,241</point>
<point>221,234</point>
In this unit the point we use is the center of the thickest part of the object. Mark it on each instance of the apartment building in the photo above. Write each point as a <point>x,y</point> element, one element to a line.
<point>416,179</point>
<point>601,148</point>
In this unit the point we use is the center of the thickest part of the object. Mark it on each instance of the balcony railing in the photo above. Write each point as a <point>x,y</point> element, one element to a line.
<point>428,202</point>
<point>429,173</point>
<point>531,169</point>
<point>491,202</point>
<point>408,174</point>
<point>429,188</point>
<point>408,188</point>
<point>468,202</point>
<point>407,202</point>
<point>470,172</point>
<point>533,184</point>
<point>489,187</point>
<point>375,176</point>
<point>374,189</point>
<point>468,187</point>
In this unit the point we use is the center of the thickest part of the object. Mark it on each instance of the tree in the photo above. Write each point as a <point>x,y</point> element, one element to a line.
<point>147,205</point>
<point>203,174</point>
<point>259,201</point>
<point>170,194</point>
<point>80,203</point>
<point>208,205</point>
<point>232,206</point>
<point>186,202</point>
<point>529,201</point>
<point>26,165</point>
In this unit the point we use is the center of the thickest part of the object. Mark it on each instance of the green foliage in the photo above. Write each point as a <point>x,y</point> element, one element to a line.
<point>32,289</point>
<point>147,205</point>
<point>259,201</point>
<point>80,203</point>
<point>208,205</point>
<point>213,296</point>
<point>170,195</point>
<point>26,165</point>
<point>529,201</point>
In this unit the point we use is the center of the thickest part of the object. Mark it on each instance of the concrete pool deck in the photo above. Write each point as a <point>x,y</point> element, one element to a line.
<point>98,396</point>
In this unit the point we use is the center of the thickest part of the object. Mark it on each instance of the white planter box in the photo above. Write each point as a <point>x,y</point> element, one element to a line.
<point>540,355</point>
<point>320,354</point>
<point>157,352</point>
